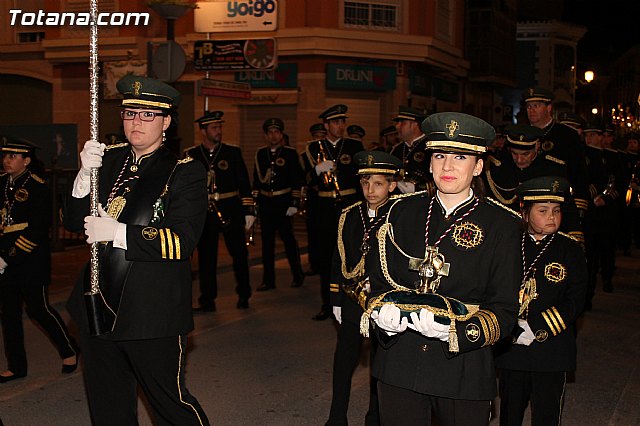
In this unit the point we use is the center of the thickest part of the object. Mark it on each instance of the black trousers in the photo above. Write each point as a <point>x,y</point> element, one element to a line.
<point>273,219</point>
<point>545,391</point>
<point>404,407</point>
<point>345,361</point>
<point>114,369</point>
<point>16,288</point>
<point>235,241</point>
<point>600,244</point>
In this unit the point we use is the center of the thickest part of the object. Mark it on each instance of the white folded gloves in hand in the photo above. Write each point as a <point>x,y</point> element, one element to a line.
<point>91,156</point>
<point>527,337</point>
<point>291,211</point>
<point>248,221</point>
<point>406,187</point>
<point>389,319</point>
<point>3,265</point>
<point>426,325</point>
<point>100,228</point>
<point>337,313</point>
<point>324,167</point>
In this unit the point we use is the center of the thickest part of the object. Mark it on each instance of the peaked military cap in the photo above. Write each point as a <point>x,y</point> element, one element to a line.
<point>592,127</point>
<point>317,127</point>
<point>377,163</point>
<point>537,94</point>
<point>608,128</point>
<point>388,131</point>
<point>411,114</point>
<point>144,92</point>
<point>273,122</point>
<point>335,112</point>
<point>210,117</point>
<point>522,136</point>
<point>571,119</point>
<point>543,189</point>
<point>354,129</point>
<point>16,145</point>
<point>457,132</point>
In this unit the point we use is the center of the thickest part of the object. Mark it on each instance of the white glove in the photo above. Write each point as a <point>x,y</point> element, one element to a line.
<point>248,221</point>
<point>100,228</point>
<point>291,211</point>
<point>388,319</point>
<point>527,337</point>
<point>406,187</point>
<point>427,326</point>
<point>3,264</point>
<point>91,156</point>
<point>337,314</point>
<point>324,167</point>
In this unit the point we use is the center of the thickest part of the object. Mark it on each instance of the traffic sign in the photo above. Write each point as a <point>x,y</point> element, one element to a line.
<point>236,16</point>
<point>224,89</point>
<point>234,55</point>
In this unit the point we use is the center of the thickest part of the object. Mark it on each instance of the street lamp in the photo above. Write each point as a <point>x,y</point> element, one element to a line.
<point>589,76</point>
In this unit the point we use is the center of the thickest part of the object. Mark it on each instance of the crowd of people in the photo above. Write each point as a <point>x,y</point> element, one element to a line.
<point>465,253</point>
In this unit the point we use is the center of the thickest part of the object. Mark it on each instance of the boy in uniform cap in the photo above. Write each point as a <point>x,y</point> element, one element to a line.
<point>412,152</point>
<point>452,248</point>
<point>535,362</point>
<point>524,161</point>
<point>154,211</point>
<point>357,227</point>
<point>25,258</point>
<point>356,132</point>
<point>231,211</point>
<point>333,185</point>
<point>277,179</point>
<point>559,141</point>
<point>599,224</point>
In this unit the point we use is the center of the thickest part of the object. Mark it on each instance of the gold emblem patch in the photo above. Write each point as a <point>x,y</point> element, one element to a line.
<point>541,335</point>
<point>137,86</point>
<point>223,165</point>
<point>345,159</point>
<point>452,128</point>
<point>419,157</point>
<point>149,233</point>
<point>472,332</point>
<point>22,195</point>
<point>467,235</point>
<point>555,272</point>
<point>280,162</point>
<point>547,145</point>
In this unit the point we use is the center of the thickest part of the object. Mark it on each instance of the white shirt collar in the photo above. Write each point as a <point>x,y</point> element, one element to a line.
<point>447,211</point>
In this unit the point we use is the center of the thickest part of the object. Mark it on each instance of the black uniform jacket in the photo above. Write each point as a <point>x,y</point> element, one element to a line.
<point>561,141</point>
<point>278,176</point>
<point>599,177</point>
<point>229,175</point>
<point>483,252</point>
<point>502,177</point>
<point>24,244</point>
<point>349,261</point>
<point>561,284</point>
<point>148,285</point>
<point>346,170</point>
<point>415,163</point>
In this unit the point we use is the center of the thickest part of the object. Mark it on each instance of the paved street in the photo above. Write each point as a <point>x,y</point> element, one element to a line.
<point>271,364</point>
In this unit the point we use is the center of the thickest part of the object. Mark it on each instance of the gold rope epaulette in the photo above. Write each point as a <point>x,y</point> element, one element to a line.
<point>409,194</point>
<point>117,145</point>
<point>190,148</point>
<point>495,161</point>
<point>554,159</point>
<point>37,178</point>
<point>185,160</point>
<point>497,203</point>
<point>346,209</point>
<point>569,236</point>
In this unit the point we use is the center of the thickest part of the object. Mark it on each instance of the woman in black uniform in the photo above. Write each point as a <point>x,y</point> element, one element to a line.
<point>534,367</point>
<point>25,259</point>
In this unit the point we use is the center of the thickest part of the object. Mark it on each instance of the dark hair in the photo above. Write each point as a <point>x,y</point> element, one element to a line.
<point>389,178</point>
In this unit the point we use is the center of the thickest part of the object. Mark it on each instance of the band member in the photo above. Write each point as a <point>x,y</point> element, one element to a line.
<point>388,139</point>
<point>154,211</point>
<point>231,212</point>
<point>448,265</point>
<point>356,132</point>
<point>25,259</point>
<point>523,161</point>
<point>412,152</point>
<point>277,179</point>
<point>559,141</point>
<point>533,368</point>
<point>333,185</point>
<point>358,225</point>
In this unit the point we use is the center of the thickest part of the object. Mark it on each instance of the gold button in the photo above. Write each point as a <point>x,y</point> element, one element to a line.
<point>424,348</point>
<point>133,168</point>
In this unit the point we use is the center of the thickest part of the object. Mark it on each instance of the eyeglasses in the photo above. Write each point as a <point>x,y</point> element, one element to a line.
<point>143,115</point>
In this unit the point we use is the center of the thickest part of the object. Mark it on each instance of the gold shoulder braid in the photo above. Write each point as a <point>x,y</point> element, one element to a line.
<point>495,190</point>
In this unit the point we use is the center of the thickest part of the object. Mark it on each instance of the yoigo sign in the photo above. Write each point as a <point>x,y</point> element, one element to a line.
<point>220,16</point>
